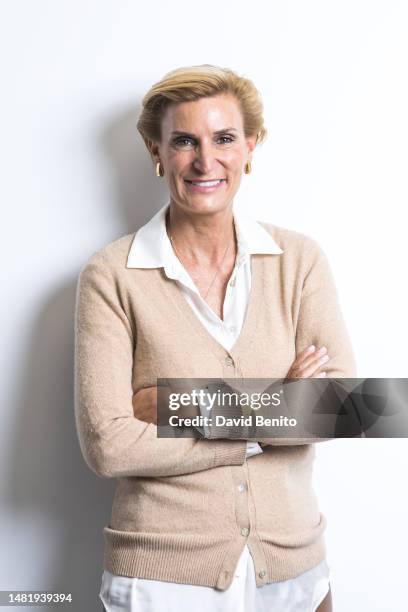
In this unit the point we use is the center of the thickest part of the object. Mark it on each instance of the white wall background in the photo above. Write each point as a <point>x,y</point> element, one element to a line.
<point>75,176</point>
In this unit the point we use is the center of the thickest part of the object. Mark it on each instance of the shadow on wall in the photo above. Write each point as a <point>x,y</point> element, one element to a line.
<point>48,475</point>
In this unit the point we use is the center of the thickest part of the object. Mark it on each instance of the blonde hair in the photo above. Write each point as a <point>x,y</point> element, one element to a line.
<point>190,83</point>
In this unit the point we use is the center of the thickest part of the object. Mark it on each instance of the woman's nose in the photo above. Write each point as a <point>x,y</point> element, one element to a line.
<point>204,159</point>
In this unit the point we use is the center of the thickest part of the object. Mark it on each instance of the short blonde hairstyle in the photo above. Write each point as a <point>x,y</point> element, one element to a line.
<point>193,82</point>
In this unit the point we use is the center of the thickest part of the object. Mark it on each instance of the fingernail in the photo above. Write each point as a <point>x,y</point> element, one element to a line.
<point>323,349</point>
<point>311,347</point>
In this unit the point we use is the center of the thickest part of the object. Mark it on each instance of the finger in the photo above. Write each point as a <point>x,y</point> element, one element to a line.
<point>314,358</point>
<point>304,354</point>
<point>146,391</point>
<point>314,367</point>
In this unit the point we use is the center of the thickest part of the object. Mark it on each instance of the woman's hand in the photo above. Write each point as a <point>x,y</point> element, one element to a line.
<point>144,404</point>
<point>308,362</point>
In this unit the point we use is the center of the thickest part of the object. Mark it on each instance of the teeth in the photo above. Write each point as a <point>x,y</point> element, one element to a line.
<point>206,183</point>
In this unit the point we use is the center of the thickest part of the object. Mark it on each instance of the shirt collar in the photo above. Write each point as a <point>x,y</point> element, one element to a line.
<point>151,247</point>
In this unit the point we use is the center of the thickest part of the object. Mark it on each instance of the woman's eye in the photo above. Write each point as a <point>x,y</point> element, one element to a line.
<point>228,138</point>
<point>182,140</point>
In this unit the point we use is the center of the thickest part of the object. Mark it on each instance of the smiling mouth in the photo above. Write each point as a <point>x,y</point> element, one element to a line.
<point>208,183</point>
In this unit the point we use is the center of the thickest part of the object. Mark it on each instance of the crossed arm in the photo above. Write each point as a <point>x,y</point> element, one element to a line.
<point>116,444</point>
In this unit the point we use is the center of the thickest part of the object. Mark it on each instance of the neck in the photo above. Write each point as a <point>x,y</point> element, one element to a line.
<point>202,239</point>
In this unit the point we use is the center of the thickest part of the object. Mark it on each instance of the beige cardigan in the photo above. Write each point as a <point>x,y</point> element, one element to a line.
<point>184,508</point>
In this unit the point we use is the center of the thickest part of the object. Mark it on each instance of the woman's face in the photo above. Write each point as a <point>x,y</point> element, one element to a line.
<point>203,140</point>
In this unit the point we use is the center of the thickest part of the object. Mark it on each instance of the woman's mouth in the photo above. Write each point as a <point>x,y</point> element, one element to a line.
<point>204,186</point>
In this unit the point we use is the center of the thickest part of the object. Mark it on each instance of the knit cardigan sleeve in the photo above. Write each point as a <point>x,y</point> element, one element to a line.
<point>113,442</point>
<point>319,321</point>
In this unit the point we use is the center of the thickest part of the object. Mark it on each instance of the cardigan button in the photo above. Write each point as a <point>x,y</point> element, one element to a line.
<point>262,574</point>
<point>244,531</point>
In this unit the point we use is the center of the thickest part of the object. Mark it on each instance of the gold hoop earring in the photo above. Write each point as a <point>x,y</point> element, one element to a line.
<point>248,167</point>
<point>159,170</point>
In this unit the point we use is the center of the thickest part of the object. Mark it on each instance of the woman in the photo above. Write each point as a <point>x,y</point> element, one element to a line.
<point>202,291</point>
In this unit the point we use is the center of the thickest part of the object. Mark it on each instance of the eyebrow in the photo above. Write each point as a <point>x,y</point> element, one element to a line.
<point>178,133</point>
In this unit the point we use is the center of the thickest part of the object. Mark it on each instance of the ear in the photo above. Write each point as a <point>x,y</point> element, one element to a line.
<point>251,143</point>
<point>154,149</point>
